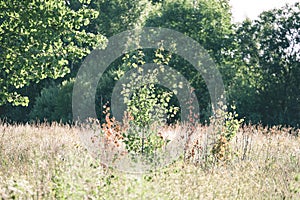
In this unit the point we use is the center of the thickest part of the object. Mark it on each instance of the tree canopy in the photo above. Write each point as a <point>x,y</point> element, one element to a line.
<point>41,39</point>
<point>267,51</point>
<point>259,60</point>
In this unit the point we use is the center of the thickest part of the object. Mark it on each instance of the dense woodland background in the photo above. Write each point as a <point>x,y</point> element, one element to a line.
<point>43,43</point>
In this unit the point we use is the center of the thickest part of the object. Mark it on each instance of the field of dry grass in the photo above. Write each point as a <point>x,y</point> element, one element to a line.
<point>48,162</point>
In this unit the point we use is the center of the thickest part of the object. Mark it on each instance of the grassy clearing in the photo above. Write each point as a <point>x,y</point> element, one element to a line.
<point>48,162</point>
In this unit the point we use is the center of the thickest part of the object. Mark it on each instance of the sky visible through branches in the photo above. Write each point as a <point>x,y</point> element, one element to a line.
<point>252,8</point>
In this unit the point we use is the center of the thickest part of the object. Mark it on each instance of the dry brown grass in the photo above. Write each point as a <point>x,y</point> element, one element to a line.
<point>48,162</point>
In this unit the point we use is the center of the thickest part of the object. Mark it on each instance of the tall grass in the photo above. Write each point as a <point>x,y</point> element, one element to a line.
<point>48,162</point>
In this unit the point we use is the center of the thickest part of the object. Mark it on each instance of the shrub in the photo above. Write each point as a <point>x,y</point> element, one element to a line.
<point>54,103</point>
<point>226,127</point>
<point>146,103</point>
<point>213,145</point>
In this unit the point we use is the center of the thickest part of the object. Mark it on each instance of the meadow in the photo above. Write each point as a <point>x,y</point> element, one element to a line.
<point>48,162</point>
<point>165,61</point>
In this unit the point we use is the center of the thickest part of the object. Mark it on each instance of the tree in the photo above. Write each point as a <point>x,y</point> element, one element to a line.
<point>207,22</point>
<point>118,15</point>
<point>115,17</point>
<point>41,39</point>
<point>269,50</point>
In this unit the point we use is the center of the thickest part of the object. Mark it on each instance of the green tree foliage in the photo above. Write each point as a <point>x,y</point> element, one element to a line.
<point>267,81</point>
<point>54,103</point>
<point>146,102</point>
<point>209,23</point>
<point>259,60</point>
<point>40,39</point>
<point>118,15</point>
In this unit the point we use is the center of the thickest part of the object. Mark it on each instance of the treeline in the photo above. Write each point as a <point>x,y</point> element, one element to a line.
<point>43,44</point>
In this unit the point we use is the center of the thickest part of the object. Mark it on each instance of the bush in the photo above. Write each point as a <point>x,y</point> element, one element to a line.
<point>54,103</point>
